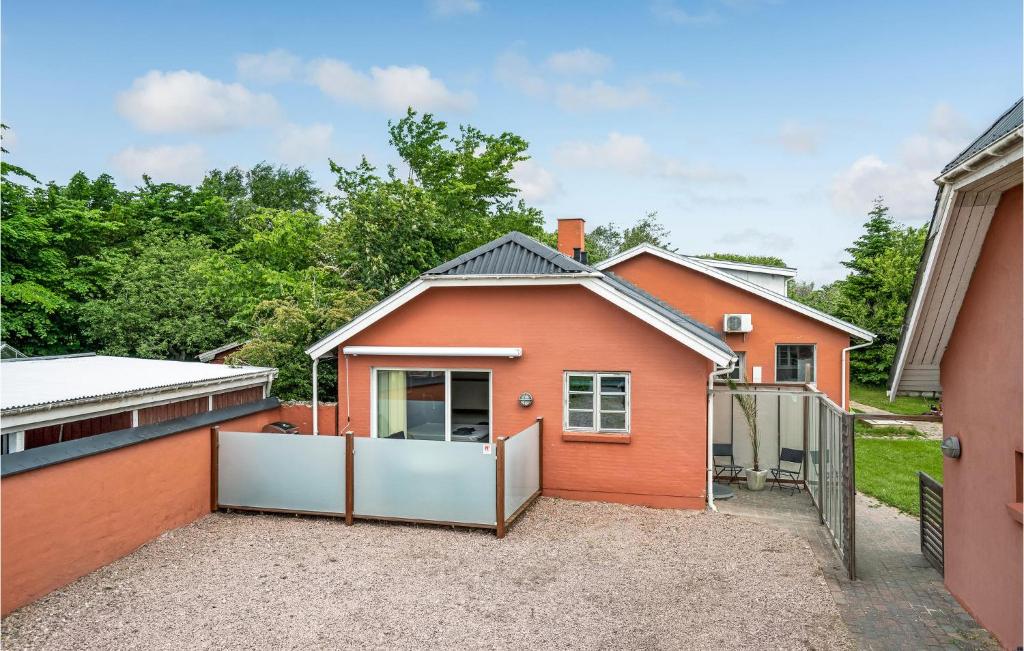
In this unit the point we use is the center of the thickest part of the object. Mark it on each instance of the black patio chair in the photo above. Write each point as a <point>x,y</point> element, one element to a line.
<point>730,470</point>
<point>788,456</point>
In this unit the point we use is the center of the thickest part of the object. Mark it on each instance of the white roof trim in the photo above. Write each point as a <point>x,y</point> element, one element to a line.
<point>740,283</point>
<point>951,188</point>
<point>590,281</point>
<point>788,272</point>
<point>434,351</point>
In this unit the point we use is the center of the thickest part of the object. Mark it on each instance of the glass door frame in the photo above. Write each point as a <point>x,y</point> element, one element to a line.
<point>447,396</point>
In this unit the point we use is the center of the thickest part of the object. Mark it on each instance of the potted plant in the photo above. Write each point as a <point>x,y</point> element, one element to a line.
<point>748,405</point>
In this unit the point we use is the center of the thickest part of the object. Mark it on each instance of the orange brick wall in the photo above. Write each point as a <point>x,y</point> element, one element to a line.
<point>708,300</point>
<point>981,400</point>
<point>560,328</point>
<point>61,522</point>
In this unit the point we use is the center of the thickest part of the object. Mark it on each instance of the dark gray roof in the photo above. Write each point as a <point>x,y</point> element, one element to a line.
<point>706,333</point>
<point>512,254</point>
<point>1003,125</point>
<point>516,253</point>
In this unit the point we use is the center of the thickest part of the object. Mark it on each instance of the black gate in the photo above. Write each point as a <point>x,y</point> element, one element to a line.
<point>931,521</point>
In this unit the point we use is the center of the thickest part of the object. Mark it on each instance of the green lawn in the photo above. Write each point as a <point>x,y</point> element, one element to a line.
<point>875,397</point>
<point>887,469</point>
<point>863,429</point>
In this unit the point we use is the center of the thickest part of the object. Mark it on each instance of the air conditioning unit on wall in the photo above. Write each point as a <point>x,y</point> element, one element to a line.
<point>737,323</point>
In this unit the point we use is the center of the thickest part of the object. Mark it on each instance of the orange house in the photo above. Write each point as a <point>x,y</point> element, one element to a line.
<point>777,339</point>
<point>482,346</point>
<point>962,338</point>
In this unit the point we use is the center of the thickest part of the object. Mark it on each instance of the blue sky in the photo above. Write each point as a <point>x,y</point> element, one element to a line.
<point>751,126</point>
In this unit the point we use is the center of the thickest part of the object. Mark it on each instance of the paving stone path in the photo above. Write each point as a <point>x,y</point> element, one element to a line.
<point>898,601</point>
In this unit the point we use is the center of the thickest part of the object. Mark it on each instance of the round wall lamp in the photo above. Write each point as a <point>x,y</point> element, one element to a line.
<point>525,399</point>
<point>951,447</point>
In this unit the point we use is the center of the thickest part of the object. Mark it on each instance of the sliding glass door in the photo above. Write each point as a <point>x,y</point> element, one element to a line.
<point>432,404</point>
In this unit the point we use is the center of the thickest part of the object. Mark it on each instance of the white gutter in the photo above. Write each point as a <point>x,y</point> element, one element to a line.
<point>711,432</point>
<point>842,365</point>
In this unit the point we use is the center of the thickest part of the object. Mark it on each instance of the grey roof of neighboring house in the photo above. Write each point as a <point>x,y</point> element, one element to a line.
<point>517,254</point>
<point>1004,124</point>
<point>210,354</point>
<point>512,254</point>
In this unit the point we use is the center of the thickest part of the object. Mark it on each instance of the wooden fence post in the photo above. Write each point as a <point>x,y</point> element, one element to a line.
<point>214,467</point>
<point>350,480</point>
<point>499,489</point>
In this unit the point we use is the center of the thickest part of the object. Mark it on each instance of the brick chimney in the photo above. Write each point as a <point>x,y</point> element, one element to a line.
<point>571,233</point>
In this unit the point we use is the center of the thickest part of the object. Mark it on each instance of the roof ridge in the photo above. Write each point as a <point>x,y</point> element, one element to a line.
<point>559,260</point>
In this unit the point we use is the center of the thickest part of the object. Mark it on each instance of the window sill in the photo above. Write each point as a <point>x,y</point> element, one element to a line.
<point>594,437</point>
<point>1016,510</point>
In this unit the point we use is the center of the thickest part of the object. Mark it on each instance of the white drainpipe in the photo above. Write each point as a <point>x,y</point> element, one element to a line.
<point>316,416</point>
<point>711,431</point>
<point>842,378</point>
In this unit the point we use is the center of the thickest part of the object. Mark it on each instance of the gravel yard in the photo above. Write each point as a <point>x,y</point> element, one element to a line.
<point>569,575</point>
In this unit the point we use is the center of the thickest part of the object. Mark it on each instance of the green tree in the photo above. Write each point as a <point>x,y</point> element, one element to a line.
<point>458,194</point>
<point>605,241</point>
<point>160,303</point>
<point>283,328</point>
<point>883,262</point>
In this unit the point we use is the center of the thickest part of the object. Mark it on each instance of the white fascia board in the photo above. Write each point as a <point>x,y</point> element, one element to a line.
<point>434,351</point>
<point>567,278</point>
<point>659,322</point>
<point>745,285</point>
<point>55,414</point>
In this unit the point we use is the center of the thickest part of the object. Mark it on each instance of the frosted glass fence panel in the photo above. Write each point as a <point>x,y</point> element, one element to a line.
<point>780,424</point>
<point>522,468</point>
<point>424,480</point>
<point>282,472</point>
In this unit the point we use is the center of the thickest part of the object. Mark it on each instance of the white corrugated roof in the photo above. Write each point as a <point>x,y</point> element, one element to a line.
<point>46,381</point>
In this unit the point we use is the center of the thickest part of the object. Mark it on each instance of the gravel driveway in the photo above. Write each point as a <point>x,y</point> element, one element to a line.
<point>569,575</point>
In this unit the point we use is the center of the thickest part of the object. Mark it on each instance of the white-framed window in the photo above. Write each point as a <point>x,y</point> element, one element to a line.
<point>739,372</point>
<point>11,443</point>
<point>431,404</point>
<point>596,402</point>
<point>795,363</point>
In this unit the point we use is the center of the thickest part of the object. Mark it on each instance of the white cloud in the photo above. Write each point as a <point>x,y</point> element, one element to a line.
<point>797,138</point>
<point>752,239</point>
<point>187,101</point>
<point>598,95</point>
<point>669,11</point>
<point>582,61</point>
<point>454,7</point>
<point>906,184</point>
<point>273,67</point>
<point>305,145</point>
<point>535,183</point>
<point>393,88</point>
<point>165,163</point>
<point>633,155</point>
<point>516,71</point>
